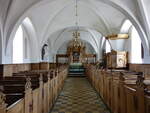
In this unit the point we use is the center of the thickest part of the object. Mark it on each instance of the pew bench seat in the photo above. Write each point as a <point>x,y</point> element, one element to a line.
<point>13,97</point>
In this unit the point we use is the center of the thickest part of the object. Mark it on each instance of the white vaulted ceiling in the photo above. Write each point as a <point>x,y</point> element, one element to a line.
<point>51,18</point>
<point>59,15</point>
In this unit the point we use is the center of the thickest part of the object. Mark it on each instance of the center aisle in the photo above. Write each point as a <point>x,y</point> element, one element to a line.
<point>79,97</point>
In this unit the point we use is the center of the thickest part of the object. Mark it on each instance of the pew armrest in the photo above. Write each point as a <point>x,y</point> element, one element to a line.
<point>147,82</point>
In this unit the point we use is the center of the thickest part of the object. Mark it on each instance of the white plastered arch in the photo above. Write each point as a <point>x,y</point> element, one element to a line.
<point>111,3</point>
<point>126,24</point>
<point>23,16</point>
<point>81,29</point>
<point>134,21</point>
<point>30,29</point>
<point>46,34</point>
<point>28,26</point>
<point>67,42</point>
<point>93,39</point>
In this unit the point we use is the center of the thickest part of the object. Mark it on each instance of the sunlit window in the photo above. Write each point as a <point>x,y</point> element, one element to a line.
<point>136,54</point>
<point>126,26</point>
<point>18,46</point>
<point>135,48</point>
<point>108,47</point>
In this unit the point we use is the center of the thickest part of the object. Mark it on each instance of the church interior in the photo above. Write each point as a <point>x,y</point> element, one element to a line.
<point>74,56</point>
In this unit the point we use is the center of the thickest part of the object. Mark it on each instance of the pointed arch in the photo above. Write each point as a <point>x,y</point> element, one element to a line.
<point>136,48</point>
<point>134,43</point>
<point>17,48</point>
<point>125,26</point>
<point>111,3</point>
<point>29,37</point>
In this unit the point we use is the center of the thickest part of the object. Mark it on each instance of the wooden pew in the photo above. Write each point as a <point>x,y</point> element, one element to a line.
<point>122,92</point>
<point>14,87</point>
<point>42,91</point>
<point>36,99</point>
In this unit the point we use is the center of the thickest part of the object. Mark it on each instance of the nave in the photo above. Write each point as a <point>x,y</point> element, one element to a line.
<point>43,89</point>
<point>45,42</point>
<point>78,96</point>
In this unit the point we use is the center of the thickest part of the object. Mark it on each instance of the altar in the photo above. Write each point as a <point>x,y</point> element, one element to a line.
<point>76,51</point>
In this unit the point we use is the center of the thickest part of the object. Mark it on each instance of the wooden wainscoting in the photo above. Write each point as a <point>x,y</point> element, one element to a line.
<point>140,67</point>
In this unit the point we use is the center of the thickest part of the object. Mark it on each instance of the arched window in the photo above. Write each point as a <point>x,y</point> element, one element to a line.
<point>107,46</point>
<point>136,48</point>
<point>18,46</point>
<point>126,26</point>
<point>22,46</point>
<point>0,47</point>
<point>133,44</point>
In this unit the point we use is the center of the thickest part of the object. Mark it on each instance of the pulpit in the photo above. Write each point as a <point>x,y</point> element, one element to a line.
<point>117,59</point>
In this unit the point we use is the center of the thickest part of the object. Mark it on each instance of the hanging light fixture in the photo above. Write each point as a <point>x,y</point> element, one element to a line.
<point>76,34</point>
<point>76,42</point>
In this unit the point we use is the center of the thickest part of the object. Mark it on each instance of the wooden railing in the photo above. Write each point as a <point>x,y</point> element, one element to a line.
<point>40,99</point>
<point>122,91</point>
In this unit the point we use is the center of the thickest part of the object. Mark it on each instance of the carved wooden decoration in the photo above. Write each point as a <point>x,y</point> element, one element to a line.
<point>49,76</point>
<point>117,59</point>
<point>140,82</point>
<point>41,77</point>
<point>121,77</point>
<point>28,83</point>
<point>117,36</point>
<point>2,102</point>
<point>76,52</point>
<point>140,94</point>
<point>57,71</point>
<point>2,98</point>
